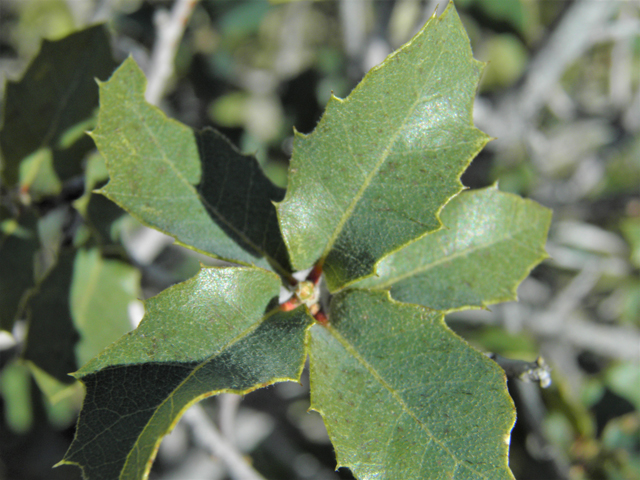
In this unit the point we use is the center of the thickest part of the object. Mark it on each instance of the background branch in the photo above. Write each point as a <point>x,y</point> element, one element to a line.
<point>170,28</point>
<point>209,438</point>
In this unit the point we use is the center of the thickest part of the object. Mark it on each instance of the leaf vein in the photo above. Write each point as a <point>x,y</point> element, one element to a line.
<point>369,178</point>
<point>392,391</point>
<point>208,206</point>
<point>460,253</point>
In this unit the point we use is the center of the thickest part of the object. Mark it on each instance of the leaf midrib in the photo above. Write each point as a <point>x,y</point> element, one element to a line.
<point>206,204</point>
<point>450,258</point>
<point>394,394</point>
<point>383,158</point>
<point>243,334</point>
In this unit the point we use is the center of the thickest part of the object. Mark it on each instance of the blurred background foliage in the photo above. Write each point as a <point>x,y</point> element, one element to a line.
<point>561,93</point>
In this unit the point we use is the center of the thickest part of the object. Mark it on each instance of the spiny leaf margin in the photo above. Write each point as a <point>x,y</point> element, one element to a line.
<point>375,173</point>
<point>132,402</point>
<point>159,172</point>
<point>490,242</point>
<point>395,387</point>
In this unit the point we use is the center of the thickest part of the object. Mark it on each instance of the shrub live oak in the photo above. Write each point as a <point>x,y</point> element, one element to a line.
<point>375,211</point>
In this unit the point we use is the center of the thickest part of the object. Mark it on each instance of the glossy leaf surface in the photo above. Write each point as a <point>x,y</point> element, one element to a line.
<point>57,92</point>
<point>381,163</point>
<point>489,243</point>
<point>195,187</point>
<point>213,333</point>
<point>403,397</point>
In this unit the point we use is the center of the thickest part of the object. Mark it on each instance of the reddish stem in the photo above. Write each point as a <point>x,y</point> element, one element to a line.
<point>290,304</point>
<point>321,318</point>
<point>314,275</point>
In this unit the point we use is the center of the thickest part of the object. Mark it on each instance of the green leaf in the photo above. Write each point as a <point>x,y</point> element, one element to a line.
<point>510,11</point>
<point>631,229</point>
<point>52,235</point>
<point>98,211</point>
<point>403,397</point>
<point>489,243</point>
<point>197,188</point>
<point>234,187</point>
<point>69,159</point>
<point>380,165</point>
<point>57,92</point>
<point>62,401</point>
<point>52,336</point>
<point>624,380</point>
<point>77,309</point>
<point>101,292</point>
<point>15,387</point>
<point>217,332</point>
<point>18,245</point>
<point>95,173</point>
<point>37,175</point>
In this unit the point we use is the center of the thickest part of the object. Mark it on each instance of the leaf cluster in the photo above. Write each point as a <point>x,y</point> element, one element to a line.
<point>65,279</point>
<point>374,214</point>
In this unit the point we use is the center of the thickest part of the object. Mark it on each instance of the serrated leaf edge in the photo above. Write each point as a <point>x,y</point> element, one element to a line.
<point>353,204</point>
<point>207,206</point>
<point>405,408</point>
<point>212,393</point>
<point>512,294</point>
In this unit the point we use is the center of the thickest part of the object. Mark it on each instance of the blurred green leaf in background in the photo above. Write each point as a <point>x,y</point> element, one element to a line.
<point>564,76</point>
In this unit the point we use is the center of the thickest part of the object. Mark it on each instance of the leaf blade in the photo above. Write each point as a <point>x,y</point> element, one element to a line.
<point>62,75</point>
<point>404,397</point>
<point>205,336</point>
<point>18,246</point>
<point>490,242</point>
<point>400,151</point>
<point>225,197</point>
<point>100,294</point>
<point>160,173</point>
<point>52,335</point>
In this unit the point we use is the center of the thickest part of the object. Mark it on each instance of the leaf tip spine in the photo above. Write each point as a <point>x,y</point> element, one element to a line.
<point>334,98</point>
<point>64,461</point>
<point>298,135</point>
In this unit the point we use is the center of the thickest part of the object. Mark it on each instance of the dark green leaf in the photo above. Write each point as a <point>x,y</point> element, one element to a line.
<point>18,245</point>
<point>77,309</point>
<point>380,165</point>
<point>204,193</point>
<point>68,161</point>
<point>57,92</point>
<point>489,243</point>
<point>403,397</point>
<point>234,187</point>
<point>52,336</point>
<point>98,211</point>
<point>213,333</point>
